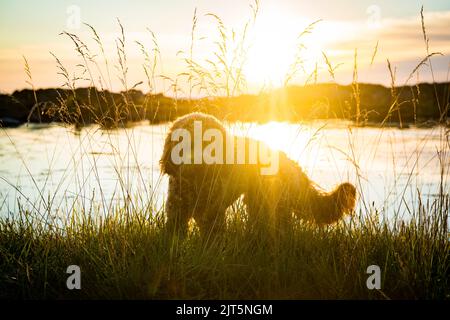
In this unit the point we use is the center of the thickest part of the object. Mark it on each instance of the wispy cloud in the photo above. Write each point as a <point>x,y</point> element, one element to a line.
<point>398,38</point>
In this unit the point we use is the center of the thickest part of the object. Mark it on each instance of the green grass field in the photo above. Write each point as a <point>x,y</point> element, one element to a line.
<point>130,257</point>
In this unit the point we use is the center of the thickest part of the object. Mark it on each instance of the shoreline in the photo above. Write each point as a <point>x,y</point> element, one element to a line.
<point>84,106</point>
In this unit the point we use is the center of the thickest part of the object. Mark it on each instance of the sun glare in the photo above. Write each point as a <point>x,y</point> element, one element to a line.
<point>271,52</point>
<point>277,135</point>
<point>274,48</point>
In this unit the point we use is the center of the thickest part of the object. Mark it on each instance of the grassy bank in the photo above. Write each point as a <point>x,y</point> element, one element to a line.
<point>129,256</point>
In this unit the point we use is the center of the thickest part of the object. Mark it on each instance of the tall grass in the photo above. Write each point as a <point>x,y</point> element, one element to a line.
<point>122,248</point>
<point>130,257</point>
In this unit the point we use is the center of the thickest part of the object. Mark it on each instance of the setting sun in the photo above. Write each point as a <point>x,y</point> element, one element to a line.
<point>272,51</point>
<point>280,43</point>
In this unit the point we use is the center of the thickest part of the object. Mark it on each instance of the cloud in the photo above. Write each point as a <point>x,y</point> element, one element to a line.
<point>410,29</point>
<point>399,39</point>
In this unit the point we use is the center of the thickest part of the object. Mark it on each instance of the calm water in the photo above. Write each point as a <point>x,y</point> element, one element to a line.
<point>54,168</point>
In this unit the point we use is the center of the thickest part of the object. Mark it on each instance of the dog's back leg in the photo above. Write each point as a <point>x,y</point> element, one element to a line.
<point>211,222</point>
<point>178,207</point>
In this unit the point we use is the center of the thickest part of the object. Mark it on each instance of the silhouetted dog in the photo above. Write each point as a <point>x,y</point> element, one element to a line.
<point>204,191</point>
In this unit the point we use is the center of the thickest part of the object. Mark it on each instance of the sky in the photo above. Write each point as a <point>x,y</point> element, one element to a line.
<point>33,30</point>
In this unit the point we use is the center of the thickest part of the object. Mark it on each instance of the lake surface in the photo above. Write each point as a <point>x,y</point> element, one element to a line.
<point>52,168</point>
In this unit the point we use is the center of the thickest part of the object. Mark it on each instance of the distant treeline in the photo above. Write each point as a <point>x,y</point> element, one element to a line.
<point>362,103</point>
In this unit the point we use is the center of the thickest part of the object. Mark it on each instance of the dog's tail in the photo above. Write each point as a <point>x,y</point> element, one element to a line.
<point>327,208</point>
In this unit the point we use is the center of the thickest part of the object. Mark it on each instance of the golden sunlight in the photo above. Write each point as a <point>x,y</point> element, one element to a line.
<point>277,135</point>
<point>278,40</point>
<point>272,50</point>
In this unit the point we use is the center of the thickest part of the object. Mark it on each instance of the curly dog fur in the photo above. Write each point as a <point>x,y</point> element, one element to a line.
<point>204,192</point>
